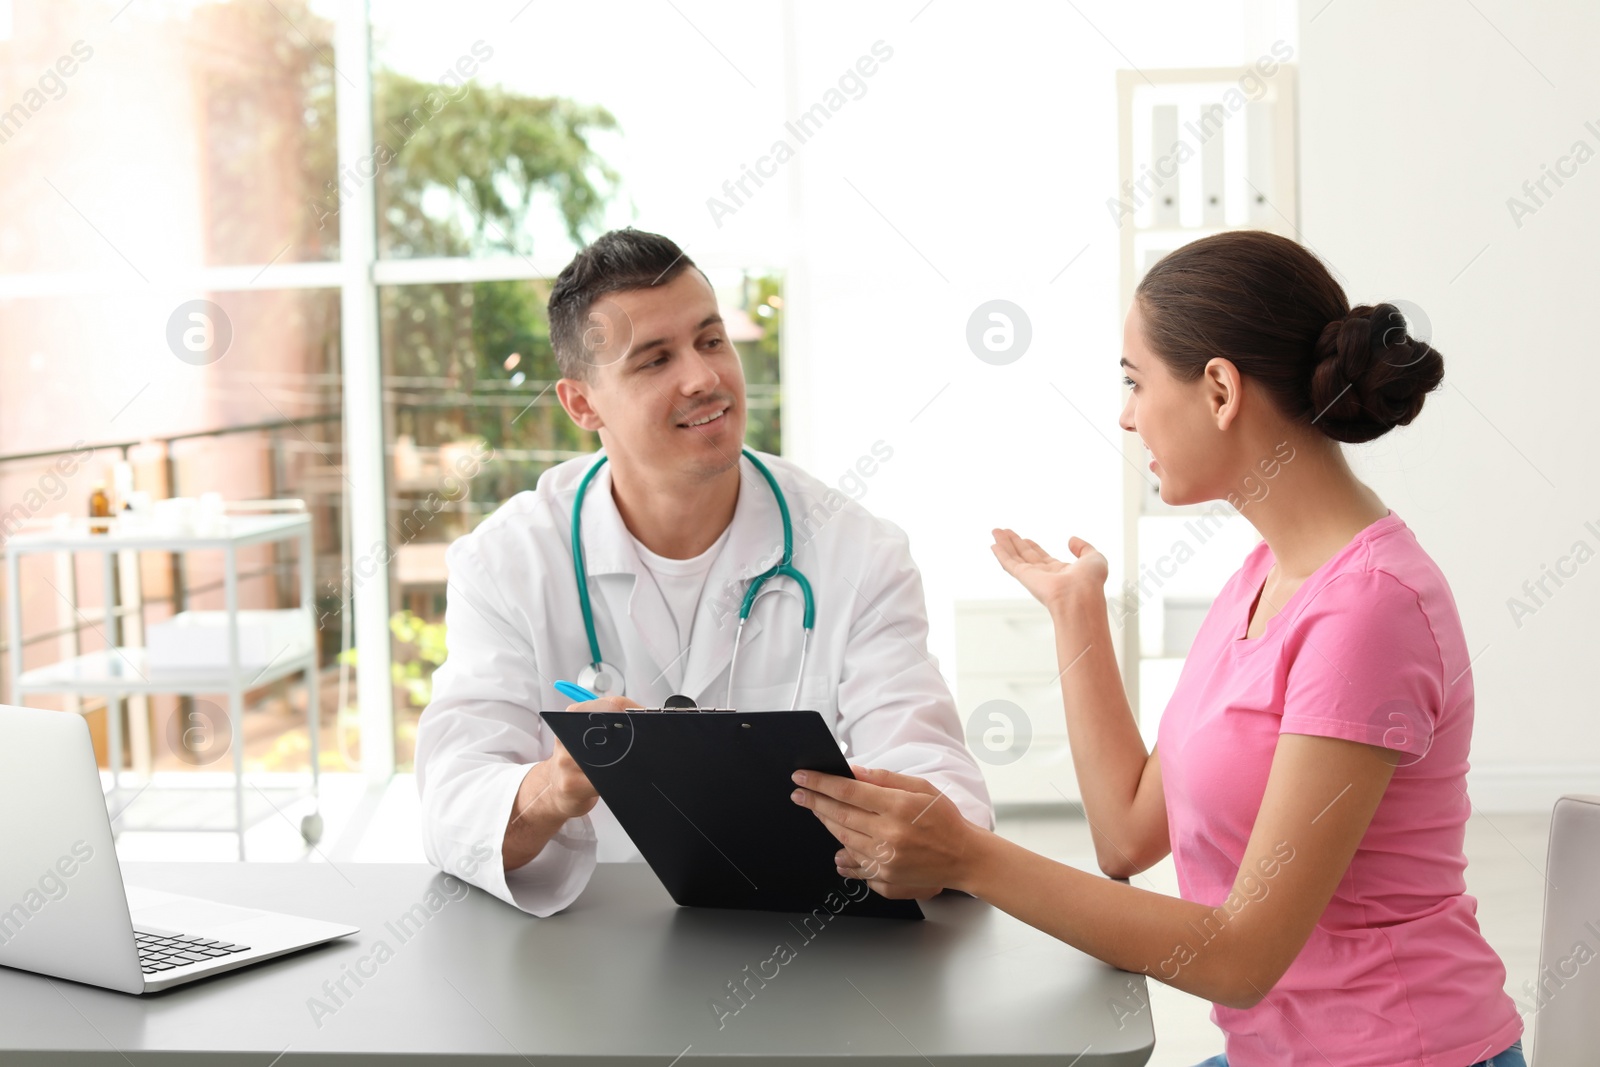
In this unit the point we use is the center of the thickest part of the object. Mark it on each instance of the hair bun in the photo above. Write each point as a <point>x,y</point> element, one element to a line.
<point>1370,374</point>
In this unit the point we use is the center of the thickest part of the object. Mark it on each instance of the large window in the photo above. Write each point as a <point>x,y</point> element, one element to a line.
<point>169,137</point>
<point>366,217</point>
<point>168,319</point>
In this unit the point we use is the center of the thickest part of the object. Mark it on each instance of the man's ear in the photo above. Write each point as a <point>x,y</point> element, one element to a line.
<point>1224,390</point>
<point>574,397</point>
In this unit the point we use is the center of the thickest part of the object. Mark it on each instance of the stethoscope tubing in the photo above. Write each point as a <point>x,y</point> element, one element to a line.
<point>784,568</point>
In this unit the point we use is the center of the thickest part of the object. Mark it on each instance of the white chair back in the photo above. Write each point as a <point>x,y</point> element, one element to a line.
<point>1567,987</point>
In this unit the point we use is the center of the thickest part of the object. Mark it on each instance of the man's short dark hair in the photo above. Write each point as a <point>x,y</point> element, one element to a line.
<point>617,261</point>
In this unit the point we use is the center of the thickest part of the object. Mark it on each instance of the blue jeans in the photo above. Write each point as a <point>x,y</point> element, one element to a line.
<point>1511,1057</point>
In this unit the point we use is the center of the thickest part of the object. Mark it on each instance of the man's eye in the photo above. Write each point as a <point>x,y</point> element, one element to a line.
<point>714,342</point>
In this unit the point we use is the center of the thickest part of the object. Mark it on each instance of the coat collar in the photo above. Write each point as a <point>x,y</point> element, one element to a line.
<point>755,543</point>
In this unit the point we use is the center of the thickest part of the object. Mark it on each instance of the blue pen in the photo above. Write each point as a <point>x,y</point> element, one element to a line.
<point>575,692</point>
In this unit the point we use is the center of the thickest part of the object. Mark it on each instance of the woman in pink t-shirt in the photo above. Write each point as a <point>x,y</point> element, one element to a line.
<point>1309,775</point>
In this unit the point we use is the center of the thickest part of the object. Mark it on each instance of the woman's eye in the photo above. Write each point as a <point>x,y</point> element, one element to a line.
<point>1127,381</point>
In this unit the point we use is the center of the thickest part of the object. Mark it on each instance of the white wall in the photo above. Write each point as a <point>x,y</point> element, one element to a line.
<point>976,164</point>
<point>1418,122</point>
<point>976,167</point>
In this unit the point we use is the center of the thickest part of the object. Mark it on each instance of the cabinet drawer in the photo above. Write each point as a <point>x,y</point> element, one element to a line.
<point>1004,636</point>
<point>1037,695</point>
<point>1044,775</point>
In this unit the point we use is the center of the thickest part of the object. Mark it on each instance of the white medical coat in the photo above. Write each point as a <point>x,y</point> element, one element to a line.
<point>514,626</point>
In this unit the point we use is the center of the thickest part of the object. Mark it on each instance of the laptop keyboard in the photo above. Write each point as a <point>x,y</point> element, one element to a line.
<point>163,952</point>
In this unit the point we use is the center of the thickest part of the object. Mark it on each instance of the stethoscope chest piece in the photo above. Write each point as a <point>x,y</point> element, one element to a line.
<point>602,679</point>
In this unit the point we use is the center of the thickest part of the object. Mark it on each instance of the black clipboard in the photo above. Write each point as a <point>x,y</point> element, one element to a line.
<point>705,798</point>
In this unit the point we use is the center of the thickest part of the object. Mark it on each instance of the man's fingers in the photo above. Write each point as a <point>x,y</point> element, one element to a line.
<point>604,704</point>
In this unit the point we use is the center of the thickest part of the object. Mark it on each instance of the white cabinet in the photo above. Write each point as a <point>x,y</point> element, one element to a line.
<point>1008,690</point>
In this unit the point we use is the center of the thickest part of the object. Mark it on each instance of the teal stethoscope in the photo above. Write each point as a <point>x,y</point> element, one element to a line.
<point>605,680</point>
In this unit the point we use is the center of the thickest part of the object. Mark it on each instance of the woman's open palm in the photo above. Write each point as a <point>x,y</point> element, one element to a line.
<point>1052,582</point>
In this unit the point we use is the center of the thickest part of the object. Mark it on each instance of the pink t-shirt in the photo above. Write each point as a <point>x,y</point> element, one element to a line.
<point>1369,649</point>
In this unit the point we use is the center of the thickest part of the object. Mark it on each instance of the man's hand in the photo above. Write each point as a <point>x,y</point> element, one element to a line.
<point>560,784</point>
<point>554,790</point>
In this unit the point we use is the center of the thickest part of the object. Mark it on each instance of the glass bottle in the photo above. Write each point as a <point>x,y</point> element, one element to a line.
<point>99,510</point>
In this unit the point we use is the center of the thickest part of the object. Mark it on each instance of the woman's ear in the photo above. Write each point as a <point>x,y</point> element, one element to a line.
<point>1224,391</point>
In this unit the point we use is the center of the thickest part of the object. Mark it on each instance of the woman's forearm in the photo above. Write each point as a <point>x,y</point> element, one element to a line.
<point>1173,940</point>
<point>1107,751</point>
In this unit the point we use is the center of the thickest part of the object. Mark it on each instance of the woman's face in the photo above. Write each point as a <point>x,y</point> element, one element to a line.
<point>1175,421</point>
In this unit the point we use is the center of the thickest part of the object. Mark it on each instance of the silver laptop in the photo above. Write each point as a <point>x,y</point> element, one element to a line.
<point>64,910</point>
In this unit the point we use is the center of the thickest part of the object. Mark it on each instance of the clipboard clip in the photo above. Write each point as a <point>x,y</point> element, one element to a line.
<point>673,703</point>
<point>676,702</point>
<point>673,707</point>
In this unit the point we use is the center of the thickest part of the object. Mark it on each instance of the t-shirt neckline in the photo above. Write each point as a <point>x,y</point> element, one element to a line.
<point>1241,625</point>
<point>680,568</point>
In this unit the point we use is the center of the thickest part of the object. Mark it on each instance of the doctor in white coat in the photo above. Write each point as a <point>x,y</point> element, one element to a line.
<point>673,528</point>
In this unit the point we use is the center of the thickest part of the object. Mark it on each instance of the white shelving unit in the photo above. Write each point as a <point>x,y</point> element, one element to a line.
<point>118,671</point>
<point>1236,168</point>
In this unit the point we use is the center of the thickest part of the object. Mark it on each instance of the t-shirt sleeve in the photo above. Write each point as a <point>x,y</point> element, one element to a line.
<point>1364,666</point>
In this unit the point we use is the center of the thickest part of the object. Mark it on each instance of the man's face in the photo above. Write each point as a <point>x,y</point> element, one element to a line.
<point>667,390</point>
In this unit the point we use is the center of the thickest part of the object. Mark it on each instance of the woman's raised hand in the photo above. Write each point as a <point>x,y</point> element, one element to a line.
<point>1053,582</point>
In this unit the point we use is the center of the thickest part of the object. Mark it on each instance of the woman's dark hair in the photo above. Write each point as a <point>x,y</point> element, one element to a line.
<point>1271,308</point>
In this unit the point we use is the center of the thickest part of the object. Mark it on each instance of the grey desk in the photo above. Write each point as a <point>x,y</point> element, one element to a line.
<point>622,977</point>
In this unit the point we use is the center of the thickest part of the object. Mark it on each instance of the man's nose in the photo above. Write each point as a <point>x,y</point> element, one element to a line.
<point>699,375</point>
